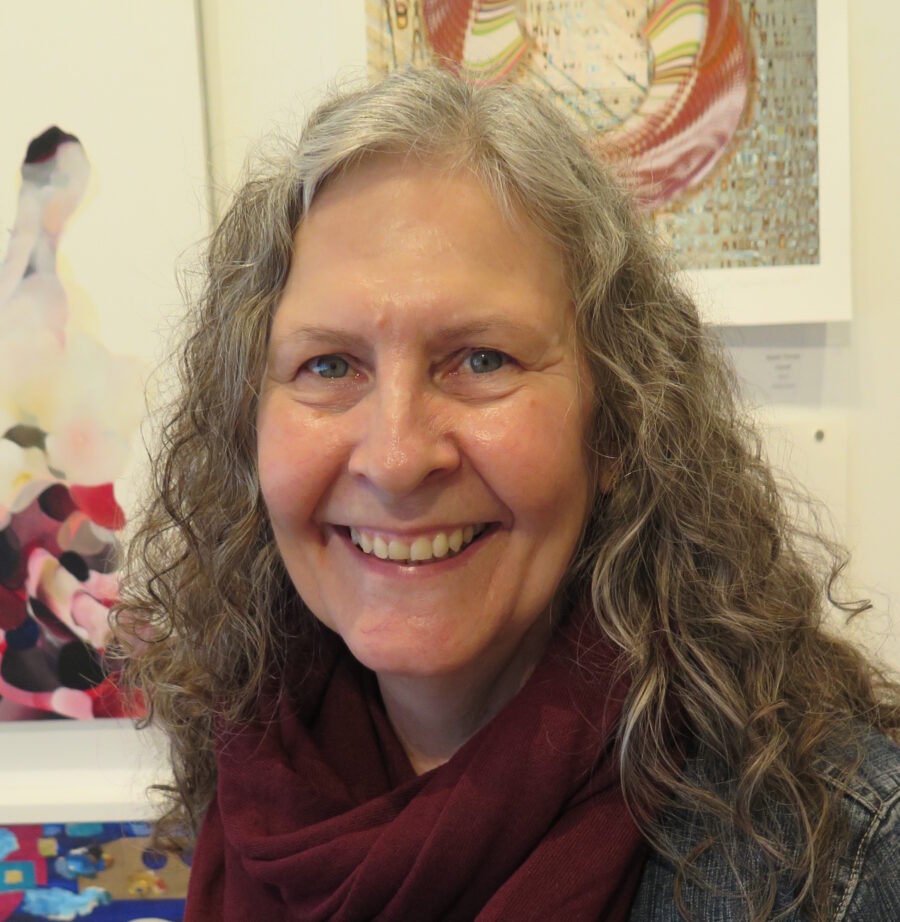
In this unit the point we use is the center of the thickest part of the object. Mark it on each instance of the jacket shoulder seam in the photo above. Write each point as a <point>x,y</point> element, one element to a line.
<point>879,815</point>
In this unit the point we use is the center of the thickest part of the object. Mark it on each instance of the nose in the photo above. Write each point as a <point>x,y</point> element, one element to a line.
<point>403,439</point>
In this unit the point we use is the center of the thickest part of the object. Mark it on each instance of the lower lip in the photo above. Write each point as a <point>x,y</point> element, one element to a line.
<point>416,571</point>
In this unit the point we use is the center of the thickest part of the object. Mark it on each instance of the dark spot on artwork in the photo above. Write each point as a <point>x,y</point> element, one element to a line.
<point>153,859</point>
<point>26,436</point>
<point>79,666</point>
<point>32,668</point>
<point>9,555</point>
<point>45,145</point>
<point>57,503</point>
<point>23,637</point>
<point>48,620</point>
<point>75,564</point>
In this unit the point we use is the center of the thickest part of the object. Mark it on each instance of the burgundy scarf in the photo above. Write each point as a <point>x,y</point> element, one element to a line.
<point>319,814</point>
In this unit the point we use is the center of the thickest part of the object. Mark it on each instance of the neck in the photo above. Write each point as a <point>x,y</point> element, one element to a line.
<point>433,716</point>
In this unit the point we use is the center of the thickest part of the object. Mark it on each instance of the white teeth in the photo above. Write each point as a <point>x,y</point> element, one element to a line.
<point>397,550</point>
<point>439,545</point>
<point>422,549</point>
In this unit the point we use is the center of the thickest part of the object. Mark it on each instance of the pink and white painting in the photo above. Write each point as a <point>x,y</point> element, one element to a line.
<point>68,411</point>
<point>102,190</point>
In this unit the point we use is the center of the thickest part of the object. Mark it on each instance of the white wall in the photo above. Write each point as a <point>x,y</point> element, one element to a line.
<point>267,64</point>
<point>873,391</point>
<point>858,394</point>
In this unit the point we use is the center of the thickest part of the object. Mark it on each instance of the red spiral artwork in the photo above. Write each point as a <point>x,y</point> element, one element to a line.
<point>697,87</point>
<point>706,108</point>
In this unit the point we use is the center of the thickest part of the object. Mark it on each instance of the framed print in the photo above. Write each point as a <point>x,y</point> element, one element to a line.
<point>728,119</point>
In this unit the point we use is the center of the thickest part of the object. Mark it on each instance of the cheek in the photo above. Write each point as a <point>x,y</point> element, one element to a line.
<point>295,460</point>
<point>534,461</point>
<point>272,454</point>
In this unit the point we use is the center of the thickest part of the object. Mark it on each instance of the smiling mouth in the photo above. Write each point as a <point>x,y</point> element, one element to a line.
<point>420,551</point>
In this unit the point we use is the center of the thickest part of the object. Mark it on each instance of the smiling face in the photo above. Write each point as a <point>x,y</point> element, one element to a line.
<point>420,427</point>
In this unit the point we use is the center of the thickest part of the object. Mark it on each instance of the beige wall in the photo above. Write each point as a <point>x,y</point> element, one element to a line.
<point>873,463</point>
<point>267,63</point>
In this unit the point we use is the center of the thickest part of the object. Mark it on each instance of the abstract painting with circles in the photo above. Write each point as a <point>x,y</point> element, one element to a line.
<point>708,108</point>
<point>107,872</point>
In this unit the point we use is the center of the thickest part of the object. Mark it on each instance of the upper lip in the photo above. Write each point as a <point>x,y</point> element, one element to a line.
<point>406,532</point>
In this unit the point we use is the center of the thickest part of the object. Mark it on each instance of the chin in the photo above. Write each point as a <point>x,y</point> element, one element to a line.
<point>401,656</point>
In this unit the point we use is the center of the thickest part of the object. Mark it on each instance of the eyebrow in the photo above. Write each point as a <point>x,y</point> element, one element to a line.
<point>446,335</point>
<point>318,334</point>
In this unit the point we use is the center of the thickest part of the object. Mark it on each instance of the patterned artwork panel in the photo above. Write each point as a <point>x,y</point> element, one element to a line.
<point>707,108</point>
<point>105,872</point>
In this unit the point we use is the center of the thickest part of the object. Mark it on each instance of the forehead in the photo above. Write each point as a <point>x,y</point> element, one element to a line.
<point>434,181</point>
<point>392,220</point>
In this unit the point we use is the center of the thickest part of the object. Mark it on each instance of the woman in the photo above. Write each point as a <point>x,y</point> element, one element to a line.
<point>465,592</point>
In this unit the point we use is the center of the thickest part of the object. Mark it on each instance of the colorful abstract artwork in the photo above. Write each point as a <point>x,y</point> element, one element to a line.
<point>707,108</point>
<point>105,872</point>
<point>69,409</point>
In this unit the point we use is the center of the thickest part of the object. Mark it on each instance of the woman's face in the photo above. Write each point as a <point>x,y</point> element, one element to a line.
<point>423,399</point>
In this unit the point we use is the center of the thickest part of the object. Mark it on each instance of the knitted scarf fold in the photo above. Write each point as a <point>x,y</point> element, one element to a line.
<point>319,815</point>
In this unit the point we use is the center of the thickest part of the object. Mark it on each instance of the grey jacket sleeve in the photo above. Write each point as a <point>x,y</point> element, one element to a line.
<point>873,892</point>
<point>866,879</point>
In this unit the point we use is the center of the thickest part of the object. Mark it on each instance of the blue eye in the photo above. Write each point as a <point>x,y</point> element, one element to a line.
<point>329,366</point>
<point>482,361</point>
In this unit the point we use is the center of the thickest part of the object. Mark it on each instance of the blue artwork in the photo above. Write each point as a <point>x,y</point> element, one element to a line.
<point>57,903</point>
<point>8,842</point>
<point>105,872</point>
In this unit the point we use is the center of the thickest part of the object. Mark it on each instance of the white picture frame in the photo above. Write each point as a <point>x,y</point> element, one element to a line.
<point>125,79</point>
<point>818,293</point>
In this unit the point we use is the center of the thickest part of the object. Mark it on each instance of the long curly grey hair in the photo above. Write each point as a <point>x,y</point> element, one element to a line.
<point>715,595</point>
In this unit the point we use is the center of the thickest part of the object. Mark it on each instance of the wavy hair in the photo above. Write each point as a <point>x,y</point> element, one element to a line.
<point>695,565</point>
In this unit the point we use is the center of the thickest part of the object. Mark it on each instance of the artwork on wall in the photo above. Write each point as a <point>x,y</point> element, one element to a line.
<point>107,872</point>
<point>102,178</point>
<point>726,117</point>
<point>68,412</point>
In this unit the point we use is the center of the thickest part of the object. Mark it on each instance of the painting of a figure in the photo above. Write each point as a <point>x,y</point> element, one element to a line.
<point>707,108</point>
<point>68,411</point>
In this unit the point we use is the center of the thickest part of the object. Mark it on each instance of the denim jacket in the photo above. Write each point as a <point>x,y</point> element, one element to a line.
<point>867,879</point>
